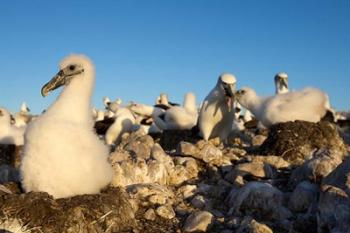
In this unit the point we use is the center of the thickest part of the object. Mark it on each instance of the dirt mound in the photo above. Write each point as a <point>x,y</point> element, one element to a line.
<point>295,141</point>
<point>109,211</point>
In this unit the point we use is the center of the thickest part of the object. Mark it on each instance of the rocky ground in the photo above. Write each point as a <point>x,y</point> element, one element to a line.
<point>293,178</point>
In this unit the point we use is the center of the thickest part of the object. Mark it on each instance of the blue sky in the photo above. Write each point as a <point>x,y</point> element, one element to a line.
<point>142,48</point>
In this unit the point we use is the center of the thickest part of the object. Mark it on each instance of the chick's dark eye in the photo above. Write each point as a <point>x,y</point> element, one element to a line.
<point>72,67</point>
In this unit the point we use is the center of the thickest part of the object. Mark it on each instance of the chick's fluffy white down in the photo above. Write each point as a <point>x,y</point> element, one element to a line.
<point>61,168</point>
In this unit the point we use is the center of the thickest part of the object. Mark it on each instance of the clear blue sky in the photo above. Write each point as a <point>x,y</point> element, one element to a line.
<point>142,48</point>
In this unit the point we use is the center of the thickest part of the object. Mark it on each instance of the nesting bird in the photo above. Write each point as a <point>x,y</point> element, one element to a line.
<point>124,122</point>
<point>217,113</point>
<point>146,113</point>
<point>112,105</point>
<point>307,104</point>
<point>163,102</point>
<point>177,117</point>
<point>281,83</point>
<point>62,154</point>
<point>10,134</point>
<point>23,117</point>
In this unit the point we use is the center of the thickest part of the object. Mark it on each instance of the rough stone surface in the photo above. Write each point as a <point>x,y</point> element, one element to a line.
<point>257,170</point>
<point>249,225</point>
<point>159,168</point>
<point>260,200</point>
<point>166,212</point>
<point>199,201</point>
<point>334,203</point>
<point>209,153</point>
<point>170,139</point>
<point>140,146</point>
<point>150,194</point>
<point>303,196</point>
<point>166,188</point>
<point>295,141</point>
<point>150,215</point>
<point>198,222</point>
<point>187,149</point>
<point>258,140</point>
<point>319,166</point>
<point>275,161</point>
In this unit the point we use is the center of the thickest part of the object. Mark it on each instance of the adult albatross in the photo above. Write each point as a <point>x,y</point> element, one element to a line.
<point>62,154</point>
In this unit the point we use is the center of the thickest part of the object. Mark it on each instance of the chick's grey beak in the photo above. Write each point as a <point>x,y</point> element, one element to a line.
<point>54,83</point>
<point>237,94</point>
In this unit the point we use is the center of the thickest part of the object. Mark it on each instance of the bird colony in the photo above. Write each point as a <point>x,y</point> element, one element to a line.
<point>67,155</point>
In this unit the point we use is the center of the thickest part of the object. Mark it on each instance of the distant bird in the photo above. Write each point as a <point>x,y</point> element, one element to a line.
<point>217,113</point>
<point>146,113</point>
<point>238,122</point>
<point>112,106</point>
<point>98,115</point>
<point>62,154</point>
<point>10,134</point>
<point>307,104</point>
<point>146,110</point>
<point>177,117</point>
<point>281,83</point>
<point>124,122</point>
<point>23,117</point>
<point>163,102</point>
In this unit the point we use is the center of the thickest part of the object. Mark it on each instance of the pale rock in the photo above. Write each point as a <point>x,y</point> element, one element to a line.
<point>187,191</point>
<point>237,151</point>
<point>231,156</point>
<point>150,214</point>
<point>323,162</point>
<point>215,141</point>
<point>209,153</point>
<point>249,225</point>
<point>238,181</point>
<point>334,202</point>
<point>184,209</point>
<point>258,140</point>
<point>198,221</point>
<point>159,155</point>
<point>139,171</point>
<point>259,198</point>
<point>151,193</point>
<point>166,212</point>
<point>275,161</point>
<point>258,170</point>
<point>119,156</point>
<point>187,149</point>
<point>157,199</point>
